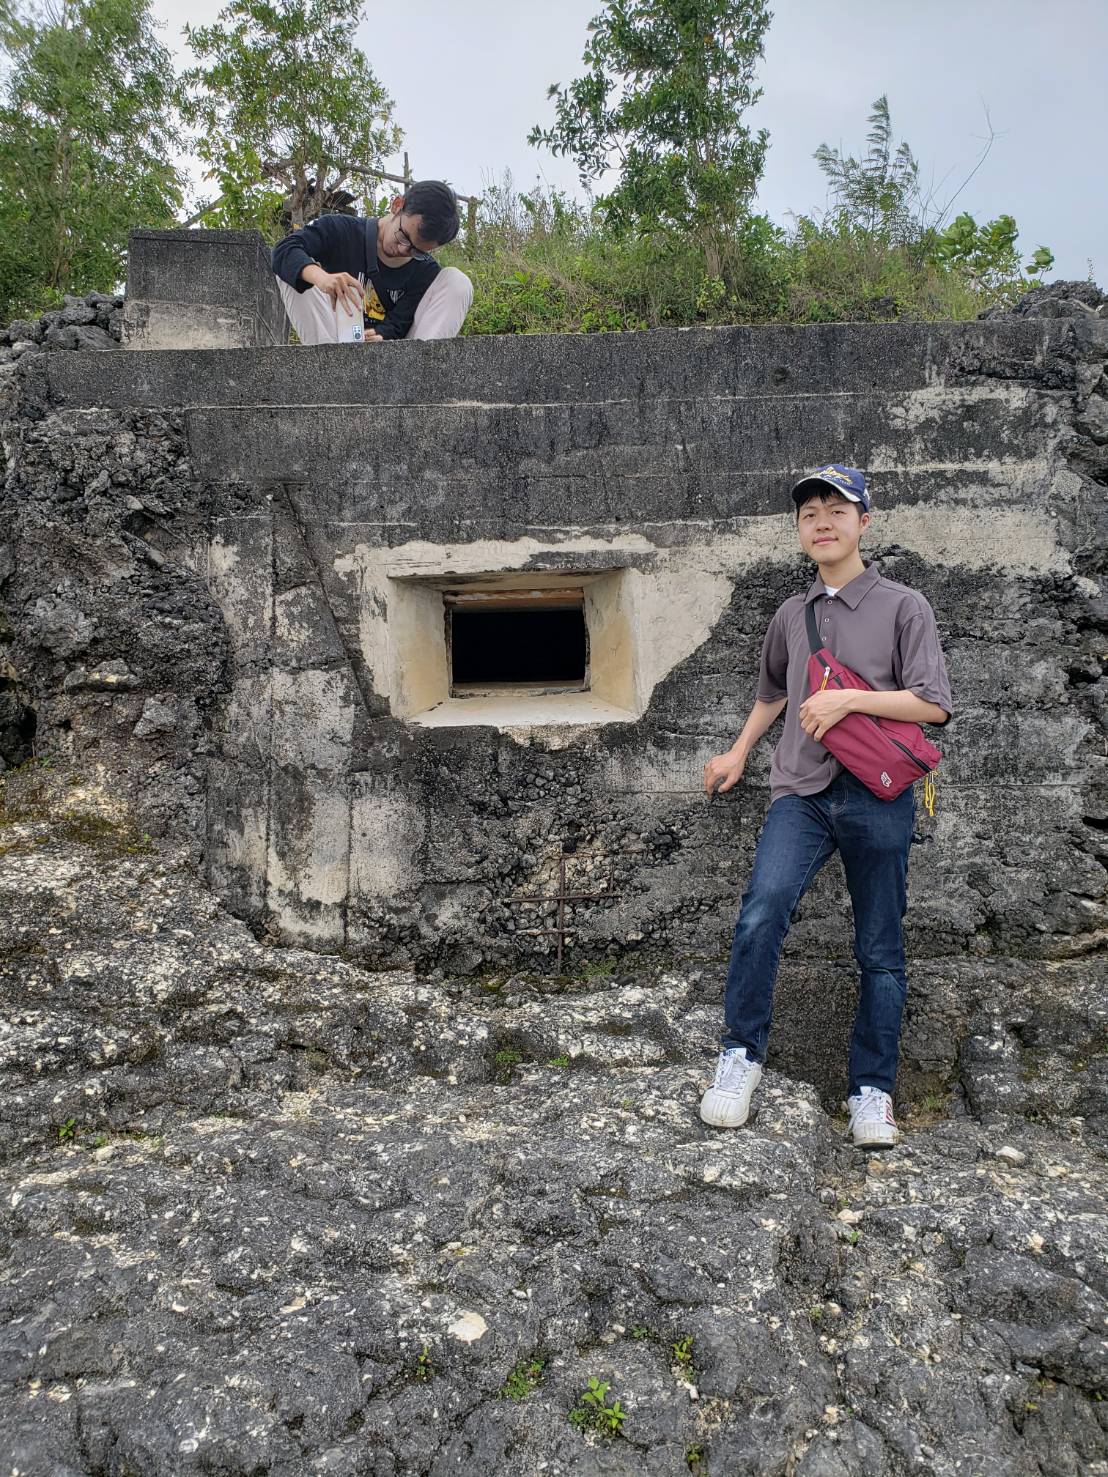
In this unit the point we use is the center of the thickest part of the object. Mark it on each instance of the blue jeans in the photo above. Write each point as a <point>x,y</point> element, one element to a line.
<point>800,833</point>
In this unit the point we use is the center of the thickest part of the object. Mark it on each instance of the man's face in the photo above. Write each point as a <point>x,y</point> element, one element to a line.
<point>400,235</point>
<point>831,530</point>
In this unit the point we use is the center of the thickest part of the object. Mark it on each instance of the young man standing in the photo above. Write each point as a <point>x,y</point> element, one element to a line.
<point>886,634</point>
<point>340,271</point>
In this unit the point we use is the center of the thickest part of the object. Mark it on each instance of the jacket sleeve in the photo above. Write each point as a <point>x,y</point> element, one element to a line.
<point>329,240</point>
<point>399,318</point>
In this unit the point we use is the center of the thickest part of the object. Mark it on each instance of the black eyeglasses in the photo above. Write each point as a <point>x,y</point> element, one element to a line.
<point>416,255</point>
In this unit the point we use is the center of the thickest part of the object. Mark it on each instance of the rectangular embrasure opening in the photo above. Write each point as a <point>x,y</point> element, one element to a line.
<point>517,640</point>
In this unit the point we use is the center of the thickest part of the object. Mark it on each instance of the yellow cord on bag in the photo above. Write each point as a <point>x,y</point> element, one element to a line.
<point>929,794</point>
<point>826,675</point>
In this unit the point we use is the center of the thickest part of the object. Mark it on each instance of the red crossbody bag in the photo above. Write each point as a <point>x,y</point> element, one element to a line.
<point>886,754</point>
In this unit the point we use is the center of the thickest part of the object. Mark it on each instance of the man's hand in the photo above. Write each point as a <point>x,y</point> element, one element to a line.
<point>340,287</point>
<point>723,772</point>
<point>823,710</point>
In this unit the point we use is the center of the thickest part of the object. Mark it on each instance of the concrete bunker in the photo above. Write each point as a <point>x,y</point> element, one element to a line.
<point>337,509</point>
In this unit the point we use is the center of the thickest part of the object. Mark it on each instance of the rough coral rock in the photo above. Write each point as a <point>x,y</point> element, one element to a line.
<point>264,1212</point>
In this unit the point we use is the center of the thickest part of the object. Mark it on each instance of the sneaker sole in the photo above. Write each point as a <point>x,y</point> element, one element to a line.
<point>875,1143</point>
<point>723,1110</point>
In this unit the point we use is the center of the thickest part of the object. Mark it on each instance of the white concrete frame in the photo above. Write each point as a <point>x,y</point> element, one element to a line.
<point>419,667</point>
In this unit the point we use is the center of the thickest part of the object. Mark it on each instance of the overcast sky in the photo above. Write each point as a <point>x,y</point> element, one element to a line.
<point>469,78</point>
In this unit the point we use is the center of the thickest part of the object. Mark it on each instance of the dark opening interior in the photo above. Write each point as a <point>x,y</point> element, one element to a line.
<point>516,647</point>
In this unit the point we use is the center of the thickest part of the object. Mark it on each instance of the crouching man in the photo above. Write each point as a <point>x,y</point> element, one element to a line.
<point>348,280</point>
<point>885,633</point>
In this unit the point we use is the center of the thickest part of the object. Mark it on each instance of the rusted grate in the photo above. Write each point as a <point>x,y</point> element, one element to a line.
<point>561,897</point>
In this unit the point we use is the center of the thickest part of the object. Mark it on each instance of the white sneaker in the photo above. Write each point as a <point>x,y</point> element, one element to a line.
<point>726,1104</point>
<point>871,1120</point>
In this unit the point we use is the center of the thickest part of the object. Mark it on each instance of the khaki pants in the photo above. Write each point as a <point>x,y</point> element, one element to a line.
<point>441,312</point>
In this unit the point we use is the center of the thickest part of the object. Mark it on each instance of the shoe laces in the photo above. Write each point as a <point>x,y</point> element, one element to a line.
<point>732,1069</point>
<point>871,1106</point>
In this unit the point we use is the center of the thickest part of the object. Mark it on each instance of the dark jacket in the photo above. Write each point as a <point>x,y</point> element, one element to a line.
<point>346,243</point>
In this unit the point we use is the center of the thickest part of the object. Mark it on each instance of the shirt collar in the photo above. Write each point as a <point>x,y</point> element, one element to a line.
<point>851,593</point>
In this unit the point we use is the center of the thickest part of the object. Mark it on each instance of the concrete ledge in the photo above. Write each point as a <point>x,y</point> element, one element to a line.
<point>695,364</point>
<point>548,710</point>
<point>659,439</point>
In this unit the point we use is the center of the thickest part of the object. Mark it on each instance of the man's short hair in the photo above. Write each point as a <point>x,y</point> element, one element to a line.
<point>437,207</point>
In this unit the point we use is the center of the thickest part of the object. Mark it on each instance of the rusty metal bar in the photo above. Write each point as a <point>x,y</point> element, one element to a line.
<point>561,907</point>
<point>561,898</point>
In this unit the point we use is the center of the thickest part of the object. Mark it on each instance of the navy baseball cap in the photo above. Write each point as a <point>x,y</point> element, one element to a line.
<point>847,480</point>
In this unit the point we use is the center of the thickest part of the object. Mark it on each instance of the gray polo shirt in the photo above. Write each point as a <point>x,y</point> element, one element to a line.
<point>883,631</point>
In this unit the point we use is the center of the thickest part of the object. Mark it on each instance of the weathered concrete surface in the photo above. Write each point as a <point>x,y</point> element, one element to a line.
<point>265,1213</point>
<point>262,538</point>
<point>201,290</point>
<point>776,362</point>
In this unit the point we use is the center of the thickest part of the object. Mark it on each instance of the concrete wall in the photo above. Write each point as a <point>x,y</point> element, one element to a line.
<point>325,498</point>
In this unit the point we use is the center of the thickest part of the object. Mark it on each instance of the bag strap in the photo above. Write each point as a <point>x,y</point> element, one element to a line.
<point>813,629</point>
<point>372,262</point>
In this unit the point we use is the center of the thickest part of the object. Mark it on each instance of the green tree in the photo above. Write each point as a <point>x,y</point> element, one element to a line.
<point>880,191</point>
<point>662,102</point>
<point>988,254</point>
<point>287,107</point>
<point>86,137</point>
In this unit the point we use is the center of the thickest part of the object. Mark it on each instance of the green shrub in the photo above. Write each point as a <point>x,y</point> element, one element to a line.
<point>541,263</point>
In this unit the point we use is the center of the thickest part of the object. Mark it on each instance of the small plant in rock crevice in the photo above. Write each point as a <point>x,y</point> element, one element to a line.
<point>506,1060</point>
<point>601,969</point>
<point>682,1349</point>
<point>524,1379</point>
<point>594,1411</point>
<point>424,1368</point>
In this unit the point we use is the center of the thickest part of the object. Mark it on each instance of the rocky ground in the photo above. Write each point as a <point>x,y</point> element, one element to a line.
<point>266,1213</point>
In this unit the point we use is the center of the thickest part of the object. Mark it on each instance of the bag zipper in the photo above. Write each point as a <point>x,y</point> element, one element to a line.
<point>926,768</point>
